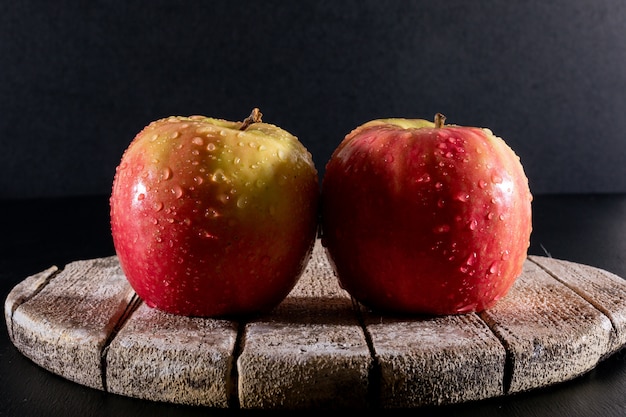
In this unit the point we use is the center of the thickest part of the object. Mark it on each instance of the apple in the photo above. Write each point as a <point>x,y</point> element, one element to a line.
<point>214,218</point>
<point>425,218</point>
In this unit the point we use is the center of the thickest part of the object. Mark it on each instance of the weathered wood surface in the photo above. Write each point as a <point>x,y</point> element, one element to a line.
<point>318,349</point>
<point>310,352</point>
<point>170,358</point>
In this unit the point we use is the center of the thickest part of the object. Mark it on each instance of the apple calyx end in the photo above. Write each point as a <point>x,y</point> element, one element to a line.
<point>440,119</point>
<point>255,117</point>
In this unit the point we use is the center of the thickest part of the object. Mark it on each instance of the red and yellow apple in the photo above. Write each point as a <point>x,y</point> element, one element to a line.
<point>211,217</point>
<point>422,217</point>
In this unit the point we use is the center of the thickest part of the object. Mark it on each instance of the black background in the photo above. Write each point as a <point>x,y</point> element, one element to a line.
<point>79,79</point>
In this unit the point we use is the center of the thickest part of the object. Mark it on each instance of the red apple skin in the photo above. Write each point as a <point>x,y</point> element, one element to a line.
<point>211,221</point>
<point>424,219</point>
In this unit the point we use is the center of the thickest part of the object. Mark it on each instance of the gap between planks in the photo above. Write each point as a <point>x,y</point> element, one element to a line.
<point>39,281</point>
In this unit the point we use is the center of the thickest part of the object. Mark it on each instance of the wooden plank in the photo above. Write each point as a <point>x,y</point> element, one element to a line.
<point>164,357</point>
<point>64,327</point>
<point>435,360</point>
<point>23,291</point>
<point>551,334</point>
<point>317,349</point>
<point>309,352</point>
<point>602,289</point>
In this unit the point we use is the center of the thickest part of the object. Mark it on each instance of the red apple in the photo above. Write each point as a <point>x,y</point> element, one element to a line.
<point>211,217</point>
<point>418,217</point>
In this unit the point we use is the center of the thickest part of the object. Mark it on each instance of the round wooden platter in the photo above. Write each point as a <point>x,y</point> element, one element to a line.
<point>318,348</point>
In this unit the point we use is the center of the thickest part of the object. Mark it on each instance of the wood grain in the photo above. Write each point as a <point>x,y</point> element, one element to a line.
<point>318,349</point>
<point>310,352</point>
<point>163,357</point>
<point>435,360</point>
<point>550,333</point>
<point>65,325</point>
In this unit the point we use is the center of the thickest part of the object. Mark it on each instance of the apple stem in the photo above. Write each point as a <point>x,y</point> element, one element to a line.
<point>440,119</point>
<point>255,117</point>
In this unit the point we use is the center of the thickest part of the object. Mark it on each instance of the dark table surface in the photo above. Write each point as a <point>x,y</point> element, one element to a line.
<point>588,229</point>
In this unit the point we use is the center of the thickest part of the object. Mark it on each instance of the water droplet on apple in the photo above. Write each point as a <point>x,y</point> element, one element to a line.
<point>218,176</point>
<point>490,215</point>
<point>462,197</point>
<point>438,185</point>
<point>174,134</point>
<point>441,203</point>
<point>242,201</point>
<point>424,178</point>
<point>496,179</point>
<point>473,224</point>
<point>158,206</point>
<point>177,191</point>
<point>211,213</point>
<point>262,147</point>
<point>505,255</point>
<point>444,228</point>
<point>141,196</point>
<point>207,235</point>
<point>493,268</point>
<point>211,147</point>
<point>501,217</point>
<point>482,184</point>
<point>199,180</point>
<point>167,173</point>
<point>465,308</point>
<point>471,259</point>
<point>282,155</point>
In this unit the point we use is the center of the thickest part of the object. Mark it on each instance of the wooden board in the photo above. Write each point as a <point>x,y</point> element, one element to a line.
<point>318,349</point>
